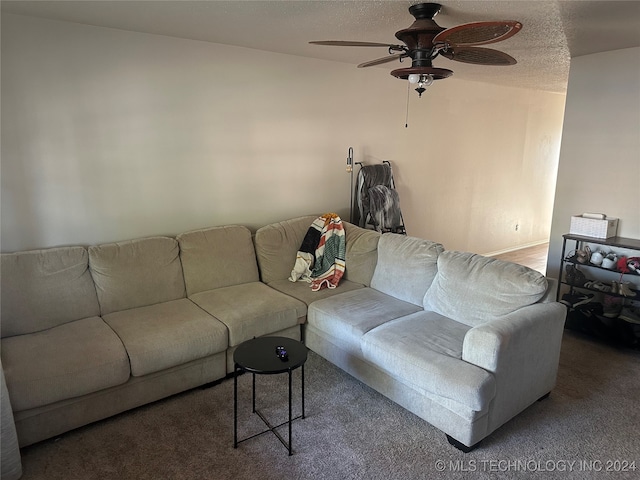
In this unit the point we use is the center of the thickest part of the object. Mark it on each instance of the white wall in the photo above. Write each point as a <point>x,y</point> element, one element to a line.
<point>110,135</point>
<point>599,168</point>
<point>478,161</point>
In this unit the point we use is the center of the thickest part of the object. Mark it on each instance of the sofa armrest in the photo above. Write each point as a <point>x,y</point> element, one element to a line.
<point>550,294</point>
<point>527,336</point>
<point>10,452</point>
<point>522,349</point>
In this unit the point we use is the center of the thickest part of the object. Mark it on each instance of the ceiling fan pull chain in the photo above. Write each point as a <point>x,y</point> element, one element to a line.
<point>406,118</point>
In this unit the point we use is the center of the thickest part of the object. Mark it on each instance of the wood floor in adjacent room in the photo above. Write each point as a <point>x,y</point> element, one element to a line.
<point>533,257</point>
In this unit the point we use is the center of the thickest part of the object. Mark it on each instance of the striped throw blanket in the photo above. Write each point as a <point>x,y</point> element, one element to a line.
<point>320,259</point>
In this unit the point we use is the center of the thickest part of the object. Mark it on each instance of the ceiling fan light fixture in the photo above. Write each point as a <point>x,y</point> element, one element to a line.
<point>422,80</point>
<point>423,76</point>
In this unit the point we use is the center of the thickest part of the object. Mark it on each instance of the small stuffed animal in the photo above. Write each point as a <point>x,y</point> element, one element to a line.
<point>633,264</point>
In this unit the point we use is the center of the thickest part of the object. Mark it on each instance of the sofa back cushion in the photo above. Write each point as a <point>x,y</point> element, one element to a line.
<point>217,257</point>
<point>406,267</point>
<point>473,289</point>
<point>42,289</point>
<point>362,253</point>
<point>277,245</point>
<point>136,273</point>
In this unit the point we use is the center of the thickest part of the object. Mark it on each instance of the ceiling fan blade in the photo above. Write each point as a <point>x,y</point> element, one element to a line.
<point>343,43</point>
<point>380,61</point>
<point>478,56</point>
<point>478,33</point>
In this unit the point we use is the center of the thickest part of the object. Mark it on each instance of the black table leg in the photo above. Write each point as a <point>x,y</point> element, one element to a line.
<point>254,392</point>
<point>290,446</point>
<point>302,374</point>
<point>235,406</point>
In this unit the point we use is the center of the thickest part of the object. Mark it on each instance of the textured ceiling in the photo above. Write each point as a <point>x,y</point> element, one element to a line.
<point>553,31</point>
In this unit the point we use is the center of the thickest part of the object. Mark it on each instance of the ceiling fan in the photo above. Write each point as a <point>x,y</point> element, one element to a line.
<point>424,40</point>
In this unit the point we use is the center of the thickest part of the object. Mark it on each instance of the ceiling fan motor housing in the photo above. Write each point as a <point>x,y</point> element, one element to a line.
<point>419,41</point>
<point>419,36</point>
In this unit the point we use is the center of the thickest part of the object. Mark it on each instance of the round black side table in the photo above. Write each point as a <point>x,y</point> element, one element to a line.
<point>260,356</point>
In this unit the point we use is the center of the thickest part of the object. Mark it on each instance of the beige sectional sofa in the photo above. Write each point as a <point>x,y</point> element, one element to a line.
<point>463,341</point>
<point>91,332</point>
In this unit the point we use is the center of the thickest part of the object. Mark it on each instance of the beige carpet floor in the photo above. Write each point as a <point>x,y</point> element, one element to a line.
<point>588,428</point>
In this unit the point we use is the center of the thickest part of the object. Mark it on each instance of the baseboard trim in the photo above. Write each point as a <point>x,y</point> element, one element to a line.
<point>516,248</point>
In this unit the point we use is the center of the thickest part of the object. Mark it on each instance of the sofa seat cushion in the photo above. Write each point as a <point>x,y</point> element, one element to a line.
<point>425,349</point>
<point>406,267</point>
<point>251,310</point>
<point>167,334</point>
<point>67,361</point>
<point>473,289</point>
<point>302,290</point>
<point>348,316</point>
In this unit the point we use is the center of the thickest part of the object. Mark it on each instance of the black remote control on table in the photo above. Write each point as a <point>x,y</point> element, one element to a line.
<point>282,354</point>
